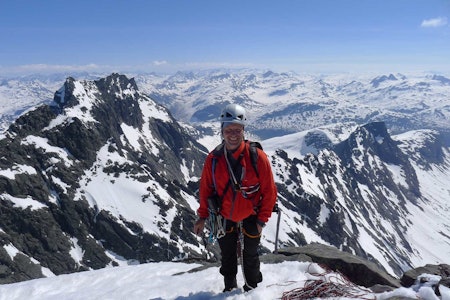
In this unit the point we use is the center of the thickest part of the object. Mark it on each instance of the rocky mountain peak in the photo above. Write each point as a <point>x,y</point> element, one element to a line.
<point>378,80</point>
<point>375,138</point>
<point>67,167</point>
<point>373,141</point>
<point>444,80</point>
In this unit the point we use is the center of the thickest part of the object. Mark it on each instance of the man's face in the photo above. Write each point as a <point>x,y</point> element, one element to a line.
<point>233,135</point>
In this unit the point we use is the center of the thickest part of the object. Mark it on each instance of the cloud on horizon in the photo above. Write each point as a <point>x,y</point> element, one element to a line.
<point>435,22</point>
<point>159,62</point>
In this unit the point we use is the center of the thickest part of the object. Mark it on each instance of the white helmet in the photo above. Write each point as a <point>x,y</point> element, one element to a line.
<point>233,113</point>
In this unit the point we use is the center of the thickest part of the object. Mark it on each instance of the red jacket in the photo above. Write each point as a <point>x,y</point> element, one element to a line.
<point>260,203</point>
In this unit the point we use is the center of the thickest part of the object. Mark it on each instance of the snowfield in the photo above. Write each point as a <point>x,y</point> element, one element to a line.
<point>172,280</point>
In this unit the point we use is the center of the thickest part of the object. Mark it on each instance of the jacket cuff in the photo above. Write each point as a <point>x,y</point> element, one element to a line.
<point>260,223</point>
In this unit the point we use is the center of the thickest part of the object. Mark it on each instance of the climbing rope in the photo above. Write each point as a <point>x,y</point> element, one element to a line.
<point>240,251</point>
<point>329,284</point>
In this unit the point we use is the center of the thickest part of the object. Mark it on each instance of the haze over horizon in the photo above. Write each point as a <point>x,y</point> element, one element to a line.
<point>166,36</point>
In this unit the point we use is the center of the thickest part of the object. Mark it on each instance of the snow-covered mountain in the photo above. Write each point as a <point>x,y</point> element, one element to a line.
<point>103,175</point>
<point>281,103</point>
<point>98,175</point>
<point>19,94</point>
<point>278,103</point>
<point>370,190</point>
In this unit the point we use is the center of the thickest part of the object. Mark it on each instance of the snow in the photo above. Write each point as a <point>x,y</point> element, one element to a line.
<point>43,143</point>
<point>11,250</point>
<point>23,203</point>
<point>17,169</point>
<point>126,199</point>
<point>132,136</point>
<point>76,252</point>
<point>294,144</point>
<point>171,280</point>
<point>61,184</point>
<point>369,246</point>
<point>311,184</point>
<point>324,213</point>
<point>152,110</point>
<point>397,174</point>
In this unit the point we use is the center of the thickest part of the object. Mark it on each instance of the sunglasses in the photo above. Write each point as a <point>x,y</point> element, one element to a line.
<point>232,131</point>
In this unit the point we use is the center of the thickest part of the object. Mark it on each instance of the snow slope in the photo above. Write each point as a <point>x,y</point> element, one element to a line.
<point>170,280</point>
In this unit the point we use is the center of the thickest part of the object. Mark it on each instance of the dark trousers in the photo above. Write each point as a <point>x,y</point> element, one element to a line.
<point>229,248</point>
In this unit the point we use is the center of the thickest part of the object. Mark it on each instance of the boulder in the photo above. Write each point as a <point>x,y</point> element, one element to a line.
<point>409,277</point>
<point>358,270</point>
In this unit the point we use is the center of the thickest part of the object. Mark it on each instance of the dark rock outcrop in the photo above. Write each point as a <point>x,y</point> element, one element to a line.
<point>356,269</point>
<point>410,277</point>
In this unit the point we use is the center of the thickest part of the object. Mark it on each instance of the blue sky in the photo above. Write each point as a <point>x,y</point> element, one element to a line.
<point>315,36</point>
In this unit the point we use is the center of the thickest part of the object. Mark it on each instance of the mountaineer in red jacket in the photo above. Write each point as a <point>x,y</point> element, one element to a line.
<point>239,195</point>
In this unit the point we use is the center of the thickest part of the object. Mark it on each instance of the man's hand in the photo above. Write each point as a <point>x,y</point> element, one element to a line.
<point>259,228</point>
<point>199,226</point>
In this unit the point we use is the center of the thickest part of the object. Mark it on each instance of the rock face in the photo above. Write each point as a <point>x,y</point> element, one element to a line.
<point>360,271</point>
<point>357,270</point>
<point>50,154</point>
<point>365,184</point>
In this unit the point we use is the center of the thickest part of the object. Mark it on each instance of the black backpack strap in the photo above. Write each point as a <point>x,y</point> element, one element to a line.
<point>254,159</point>
<point>254,155</point>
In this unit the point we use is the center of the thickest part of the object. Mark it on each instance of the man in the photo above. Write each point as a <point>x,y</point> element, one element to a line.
<point>245,195</point>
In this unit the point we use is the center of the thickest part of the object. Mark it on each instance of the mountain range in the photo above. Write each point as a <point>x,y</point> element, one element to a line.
<point>281,103</point>
<point>106,171</point>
